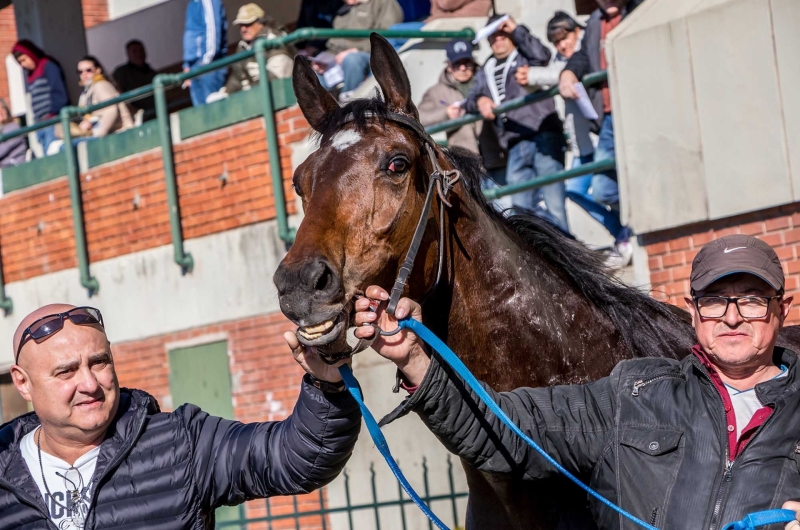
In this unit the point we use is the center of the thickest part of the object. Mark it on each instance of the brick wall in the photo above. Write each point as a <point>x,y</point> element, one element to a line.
<point>36,232</point>
<point>8,36</point>
<point>94,12</point>
<point>265,381</point>
<point>670,253</point>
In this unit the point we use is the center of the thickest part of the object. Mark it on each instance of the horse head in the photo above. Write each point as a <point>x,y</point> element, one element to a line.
<point>363,192</point>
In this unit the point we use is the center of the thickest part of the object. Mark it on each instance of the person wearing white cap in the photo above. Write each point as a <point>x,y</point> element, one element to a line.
<point>253,23</point>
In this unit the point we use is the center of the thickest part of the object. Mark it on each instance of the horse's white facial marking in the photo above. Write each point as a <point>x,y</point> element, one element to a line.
<point>344,139</point>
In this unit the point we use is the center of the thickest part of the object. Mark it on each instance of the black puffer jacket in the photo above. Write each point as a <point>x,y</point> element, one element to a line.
<point>170,471</point>
<point>659,452</point>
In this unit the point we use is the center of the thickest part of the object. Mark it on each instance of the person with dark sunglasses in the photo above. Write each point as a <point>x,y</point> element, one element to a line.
<point>93,455</point>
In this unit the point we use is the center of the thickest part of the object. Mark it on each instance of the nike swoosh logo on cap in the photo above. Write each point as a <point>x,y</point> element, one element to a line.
<point>727,250</point>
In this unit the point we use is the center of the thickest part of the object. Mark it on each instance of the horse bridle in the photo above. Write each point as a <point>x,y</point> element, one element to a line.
<point>441,181</point>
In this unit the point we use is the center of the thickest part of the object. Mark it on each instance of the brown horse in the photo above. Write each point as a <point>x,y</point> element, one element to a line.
<point>519,302</point>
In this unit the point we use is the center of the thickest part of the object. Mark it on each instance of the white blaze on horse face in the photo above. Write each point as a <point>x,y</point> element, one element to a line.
<point>344,139</point>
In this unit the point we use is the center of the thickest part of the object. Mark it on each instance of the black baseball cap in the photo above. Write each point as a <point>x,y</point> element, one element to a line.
<point>458,50</point>
<point>733,254</point>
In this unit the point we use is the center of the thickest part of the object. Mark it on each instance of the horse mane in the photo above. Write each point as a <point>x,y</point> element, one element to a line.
<point>648,327</point>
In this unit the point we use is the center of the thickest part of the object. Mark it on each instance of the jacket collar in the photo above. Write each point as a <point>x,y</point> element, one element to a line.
<point>774,391</point>
<point>134,407</point>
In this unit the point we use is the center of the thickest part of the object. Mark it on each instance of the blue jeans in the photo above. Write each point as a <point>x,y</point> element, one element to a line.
<point>528,159</point>
<point>604,185</point>
<point>204,85</point>
<point>45,137</point>
<point>355,68</point>
<point>578,192</point>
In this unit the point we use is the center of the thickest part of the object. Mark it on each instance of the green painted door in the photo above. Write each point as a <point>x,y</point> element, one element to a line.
<point>199,375</point>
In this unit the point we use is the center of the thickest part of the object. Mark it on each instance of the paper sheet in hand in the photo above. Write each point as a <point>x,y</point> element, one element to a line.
<point>333,76</point>
<point>488,30</point>
<point>584,103</point>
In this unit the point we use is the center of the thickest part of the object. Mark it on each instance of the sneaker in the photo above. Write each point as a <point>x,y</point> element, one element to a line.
<point>621,256</point>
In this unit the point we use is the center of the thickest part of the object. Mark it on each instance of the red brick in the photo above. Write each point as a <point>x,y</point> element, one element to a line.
<point>774,240</point>
<point>657,248</point>
<point>752,229</point>
<point>654,264</point>
<point>698,240</point>
<point>793,267</point>
<point>673,259</point>
<point>682,273</point>
<point>785,253</point>
<point>779,223</point>
<point>682,243</point>
<point>726,232</point>
<point>792,236</point>
<point>660,277</point>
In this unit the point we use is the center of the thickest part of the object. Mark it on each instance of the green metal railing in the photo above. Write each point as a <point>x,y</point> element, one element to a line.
<point>375,506</point>
<point>158,88</point>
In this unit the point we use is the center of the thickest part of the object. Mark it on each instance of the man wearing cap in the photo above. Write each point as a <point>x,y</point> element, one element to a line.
<point>445,100</point>
<point>690,444</point>
<point>253,23</point>
<point>93,455</point>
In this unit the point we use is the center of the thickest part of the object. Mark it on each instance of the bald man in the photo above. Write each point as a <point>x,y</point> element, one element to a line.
<point>93,455</point>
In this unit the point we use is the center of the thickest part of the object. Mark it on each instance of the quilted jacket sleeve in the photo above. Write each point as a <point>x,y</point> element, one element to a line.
<point>572,423</point>
<point>234,462</point>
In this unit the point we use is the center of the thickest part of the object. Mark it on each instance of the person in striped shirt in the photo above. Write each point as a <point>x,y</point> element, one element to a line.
<point>44,81</point>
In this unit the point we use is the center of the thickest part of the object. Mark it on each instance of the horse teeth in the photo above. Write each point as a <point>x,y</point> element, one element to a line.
<point>319,328</point>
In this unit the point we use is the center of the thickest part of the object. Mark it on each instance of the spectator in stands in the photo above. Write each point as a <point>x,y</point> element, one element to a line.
<point>13,151</point>
<point>252,24</point>
<point>533,134</point>
<point>97,89</point>
<point>205,39</point>
<point>136,73</point>
<point>445,100</point>
<point>316,14</point>
<point>565,33</point>
<point>44,81</point>
<point>590,58</point>
<point>352,55</point>
<point>459,8</point>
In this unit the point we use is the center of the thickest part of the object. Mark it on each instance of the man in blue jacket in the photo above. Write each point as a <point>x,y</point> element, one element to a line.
<point>533,134</point>
<point>93,455</point>
<point>205,39</point>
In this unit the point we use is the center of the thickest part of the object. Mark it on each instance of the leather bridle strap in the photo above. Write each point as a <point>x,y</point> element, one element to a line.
<point>440,182</point>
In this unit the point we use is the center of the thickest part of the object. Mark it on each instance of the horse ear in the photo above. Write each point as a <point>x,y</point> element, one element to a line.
<point>391,75</point>
<point>315,102</point>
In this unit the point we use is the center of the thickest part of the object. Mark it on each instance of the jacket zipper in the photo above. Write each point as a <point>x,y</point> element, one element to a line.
<point>637,385</point>
<point>727,471</point>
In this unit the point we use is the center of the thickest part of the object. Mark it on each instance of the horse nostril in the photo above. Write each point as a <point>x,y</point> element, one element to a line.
<point>324,280</point>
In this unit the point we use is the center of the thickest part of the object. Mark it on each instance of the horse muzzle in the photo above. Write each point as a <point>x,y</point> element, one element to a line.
<point>311,295</point>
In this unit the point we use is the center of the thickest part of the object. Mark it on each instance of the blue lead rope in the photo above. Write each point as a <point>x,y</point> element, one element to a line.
<point>752,521</point>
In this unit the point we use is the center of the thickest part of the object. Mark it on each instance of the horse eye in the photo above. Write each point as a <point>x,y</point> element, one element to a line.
<point>398,165</point>
<point>296,189</point>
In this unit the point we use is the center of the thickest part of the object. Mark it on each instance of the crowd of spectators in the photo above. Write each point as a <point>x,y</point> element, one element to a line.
<point>516,146</point>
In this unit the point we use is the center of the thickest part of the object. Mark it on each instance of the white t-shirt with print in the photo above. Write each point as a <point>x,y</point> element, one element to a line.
<point>68,512</point>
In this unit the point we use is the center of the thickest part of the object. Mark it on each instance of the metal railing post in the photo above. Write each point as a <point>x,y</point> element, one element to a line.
<point>76,201</point>
<point>182,258</point>
<point>585,169</point>
<point>271,130</point>
<point>6,304</point>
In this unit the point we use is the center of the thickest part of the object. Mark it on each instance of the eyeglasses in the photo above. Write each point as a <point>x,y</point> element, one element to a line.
<point>748,306</point>
<point>463,65</point>
<point>86,71</point>
<point>50,324</point>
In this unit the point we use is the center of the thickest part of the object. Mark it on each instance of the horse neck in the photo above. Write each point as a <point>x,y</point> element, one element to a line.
<point>514,319</point>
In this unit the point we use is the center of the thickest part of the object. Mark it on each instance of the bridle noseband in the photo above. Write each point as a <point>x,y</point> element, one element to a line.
<point>441,181</point>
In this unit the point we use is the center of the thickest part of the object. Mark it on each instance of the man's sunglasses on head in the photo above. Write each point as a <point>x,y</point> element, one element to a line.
<point>50,324</point>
